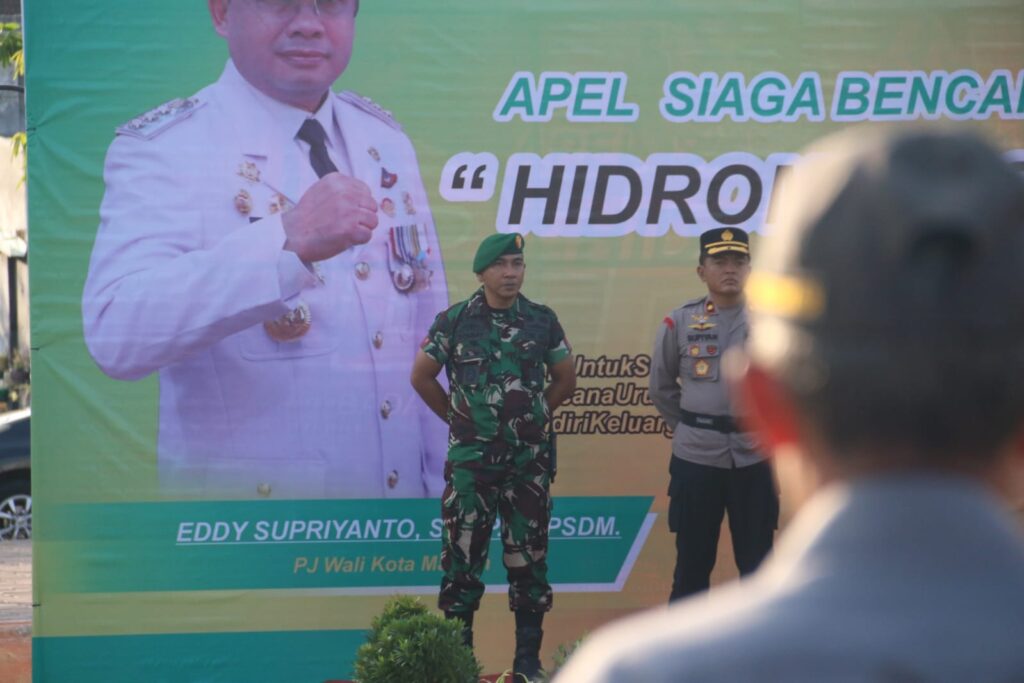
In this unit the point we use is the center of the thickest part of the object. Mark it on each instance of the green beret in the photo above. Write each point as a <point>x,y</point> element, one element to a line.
<point>494,247</point>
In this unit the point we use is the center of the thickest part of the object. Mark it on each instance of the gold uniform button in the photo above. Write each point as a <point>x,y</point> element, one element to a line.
<point>378,340</point>
<point>362,270</point>
<point>263,490</point>
<point>392,479</point>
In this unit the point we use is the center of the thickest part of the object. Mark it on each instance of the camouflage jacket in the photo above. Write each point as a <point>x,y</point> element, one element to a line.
<point>496,364</point>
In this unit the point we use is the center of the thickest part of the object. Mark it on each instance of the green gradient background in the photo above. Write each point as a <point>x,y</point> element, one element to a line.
<point>441,68</point>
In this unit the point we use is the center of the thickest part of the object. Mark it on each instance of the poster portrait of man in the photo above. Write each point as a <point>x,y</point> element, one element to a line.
<point>266,247</point>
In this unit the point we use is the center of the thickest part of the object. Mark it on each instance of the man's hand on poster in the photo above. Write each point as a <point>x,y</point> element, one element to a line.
<point>337,212</point>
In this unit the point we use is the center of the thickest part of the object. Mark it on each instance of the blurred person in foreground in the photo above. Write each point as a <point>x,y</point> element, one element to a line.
<point>885,365</point>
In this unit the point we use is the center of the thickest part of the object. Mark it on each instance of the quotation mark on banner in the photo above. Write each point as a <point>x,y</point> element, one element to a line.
<point>469,177</point>
<point>460,178</point>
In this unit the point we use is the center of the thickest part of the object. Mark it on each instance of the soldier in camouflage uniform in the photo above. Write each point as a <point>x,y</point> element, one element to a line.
<point>497,347</point>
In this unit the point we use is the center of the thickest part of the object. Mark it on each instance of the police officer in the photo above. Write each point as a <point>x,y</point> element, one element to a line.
<point>267,248</point>
<point>714,466</point>
<point>497,346</point>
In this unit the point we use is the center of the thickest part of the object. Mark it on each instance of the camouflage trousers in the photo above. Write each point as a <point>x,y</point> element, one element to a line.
<point>484,480</point>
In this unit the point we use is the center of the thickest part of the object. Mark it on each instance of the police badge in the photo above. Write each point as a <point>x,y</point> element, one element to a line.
<point>701,322</point>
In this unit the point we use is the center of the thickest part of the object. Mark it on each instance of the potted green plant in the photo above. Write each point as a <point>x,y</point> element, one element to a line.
<point>408,642</point>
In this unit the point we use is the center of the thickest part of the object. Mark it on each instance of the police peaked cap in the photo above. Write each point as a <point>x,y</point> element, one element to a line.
<point>721,240</point>
<point>494,247</point>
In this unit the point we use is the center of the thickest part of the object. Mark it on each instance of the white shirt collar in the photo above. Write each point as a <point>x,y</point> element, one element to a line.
<point>285,116</point>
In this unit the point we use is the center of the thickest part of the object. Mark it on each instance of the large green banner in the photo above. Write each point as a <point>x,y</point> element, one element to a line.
<point>232,472</point>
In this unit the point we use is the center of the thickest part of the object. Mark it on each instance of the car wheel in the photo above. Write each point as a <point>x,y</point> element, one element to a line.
<point>15,510</point>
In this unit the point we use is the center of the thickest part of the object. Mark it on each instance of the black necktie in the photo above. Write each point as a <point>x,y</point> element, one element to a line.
<point>314,134</point>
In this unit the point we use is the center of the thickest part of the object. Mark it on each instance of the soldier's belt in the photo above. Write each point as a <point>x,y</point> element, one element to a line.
<point>719,423</point>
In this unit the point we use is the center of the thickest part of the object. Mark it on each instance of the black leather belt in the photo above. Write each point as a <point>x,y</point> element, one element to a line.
<point>719,423</point>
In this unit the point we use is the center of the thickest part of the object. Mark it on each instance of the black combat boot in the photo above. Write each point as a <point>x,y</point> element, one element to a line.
<point>467,625</point>
<point>528,636</point>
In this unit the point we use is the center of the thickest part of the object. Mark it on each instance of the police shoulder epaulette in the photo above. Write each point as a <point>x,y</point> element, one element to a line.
<point>370,107</point>
<point>694,302</point>
<point>155,121</point>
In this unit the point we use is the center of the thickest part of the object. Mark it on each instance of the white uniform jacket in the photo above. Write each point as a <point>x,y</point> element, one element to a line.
<point>188,264</point>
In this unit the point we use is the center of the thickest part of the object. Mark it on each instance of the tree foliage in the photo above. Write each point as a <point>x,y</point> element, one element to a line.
<point>12,54</point>
<point>11,51</point>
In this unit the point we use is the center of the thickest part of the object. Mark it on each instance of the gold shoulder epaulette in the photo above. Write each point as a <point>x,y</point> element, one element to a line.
<point>370,107</point>
<point>155,121</point>
<point>694,302</point>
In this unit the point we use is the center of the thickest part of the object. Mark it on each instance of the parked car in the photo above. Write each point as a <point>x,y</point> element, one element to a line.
<point>15,475</point>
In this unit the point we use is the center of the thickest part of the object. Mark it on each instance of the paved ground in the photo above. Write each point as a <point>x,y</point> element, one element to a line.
<point>16,611</point>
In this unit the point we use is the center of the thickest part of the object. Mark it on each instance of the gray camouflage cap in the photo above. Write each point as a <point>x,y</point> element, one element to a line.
<point>890,243</point>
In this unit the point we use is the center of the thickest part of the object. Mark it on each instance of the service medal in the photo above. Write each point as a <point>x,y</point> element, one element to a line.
<point>290,326</point>
<point>407,258</point>
<point>403,277</point>
<point>701,368</point>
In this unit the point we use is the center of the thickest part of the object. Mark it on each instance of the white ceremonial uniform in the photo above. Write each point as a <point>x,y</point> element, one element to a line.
<point>189,263</point>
